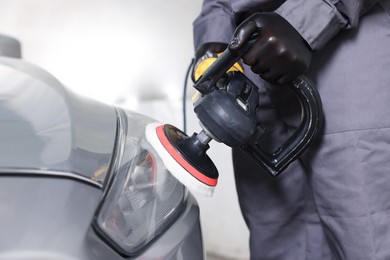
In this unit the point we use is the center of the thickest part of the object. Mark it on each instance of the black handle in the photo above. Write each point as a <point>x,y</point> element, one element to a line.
<point>311,122</point>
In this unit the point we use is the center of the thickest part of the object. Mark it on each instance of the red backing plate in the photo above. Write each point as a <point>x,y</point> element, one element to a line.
<point>179,159</point>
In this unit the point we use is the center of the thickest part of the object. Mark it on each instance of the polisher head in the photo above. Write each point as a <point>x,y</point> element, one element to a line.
<point>184,157</point>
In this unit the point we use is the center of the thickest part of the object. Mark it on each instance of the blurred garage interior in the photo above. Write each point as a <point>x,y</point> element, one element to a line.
<point>134,54</point>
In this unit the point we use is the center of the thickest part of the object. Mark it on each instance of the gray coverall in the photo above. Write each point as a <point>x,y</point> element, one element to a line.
<point>333,203</point>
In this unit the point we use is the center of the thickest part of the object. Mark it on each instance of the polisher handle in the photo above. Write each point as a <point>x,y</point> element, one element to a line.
<point>312,117</point>
<point>225,61</point>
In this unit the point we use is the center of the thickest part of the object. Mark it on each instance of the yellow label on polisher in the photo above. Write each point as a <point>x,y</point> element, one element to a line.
<point>205,64</point>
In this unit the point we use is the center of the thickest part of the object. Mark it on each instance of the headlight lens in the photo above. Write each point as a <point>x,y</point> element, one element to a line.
<point>143,199</point>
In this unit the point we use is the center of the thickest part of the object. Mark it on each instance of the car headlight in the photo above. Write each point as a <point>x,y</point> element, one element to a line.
<point>143,197</point>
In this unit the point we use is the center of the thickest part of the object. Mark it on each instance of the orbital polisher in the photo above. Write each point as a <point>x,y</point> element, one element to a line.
<point>226,108</point>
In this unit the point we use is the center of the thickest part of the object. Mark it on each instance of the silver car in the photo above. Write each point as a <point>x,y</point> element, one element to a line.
<point>78,180</point>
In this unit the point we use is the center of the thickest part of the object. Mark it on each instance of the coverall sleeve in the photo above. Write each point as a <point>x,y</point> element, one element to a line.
<point>319,20</point>
<point>214,24</point>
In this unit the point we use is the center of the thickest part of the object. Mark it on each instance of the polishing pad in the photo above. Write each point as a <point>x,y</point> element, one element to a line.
<point>193,168</point>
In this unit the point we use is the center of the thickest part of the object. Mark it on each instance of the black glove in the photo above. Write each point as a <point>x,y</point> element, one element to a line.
<point>280,53</point>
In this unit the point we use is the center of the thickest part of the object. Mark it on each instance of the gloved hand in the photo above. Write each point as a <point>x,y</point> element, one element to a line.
<point>280,53</point>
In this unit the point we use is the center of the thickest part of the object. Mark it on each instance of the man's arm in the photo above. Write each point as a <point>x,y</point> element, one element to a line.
<point>310,24</point>
<point>318,21</point>
<point>287,36</point>
<point>214,24</point>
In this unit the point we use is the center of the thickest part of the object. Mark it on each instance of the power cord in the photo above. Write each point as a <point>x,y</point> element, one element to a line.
<point>185,96</point>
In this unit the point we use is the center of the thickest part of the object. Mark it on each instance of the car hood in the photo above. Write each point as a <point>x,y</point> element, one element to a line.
<point>46,127</point>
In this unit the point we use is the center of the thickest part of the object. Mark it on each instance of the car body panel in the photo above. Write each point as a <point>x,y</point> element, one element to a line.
<point>45,218</point>
<point>49,218</point>
<point>53,145</point>
<point>46,127</point>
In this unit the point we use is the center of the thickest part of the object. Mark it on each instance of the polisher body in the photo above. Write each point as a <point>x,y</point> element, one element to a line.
<point>226,110</point>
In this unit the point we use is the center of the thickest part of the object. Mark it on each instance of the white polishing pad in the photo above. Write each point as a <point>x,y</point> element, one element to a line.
<point>172,162</point>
